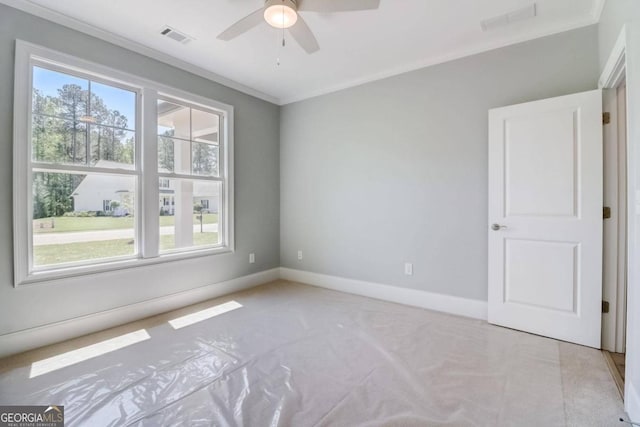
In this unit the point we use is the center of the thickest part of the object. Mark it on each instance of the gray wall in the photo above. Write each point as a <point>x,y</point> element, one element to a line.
<point>256,189</point>
<point>396,170</point>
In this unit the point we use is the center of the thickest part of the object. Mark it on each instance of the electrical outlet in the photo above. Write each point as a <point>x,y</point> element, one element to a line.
<point>299,255</point>
<point>252,258</point>
<point>408,269</point>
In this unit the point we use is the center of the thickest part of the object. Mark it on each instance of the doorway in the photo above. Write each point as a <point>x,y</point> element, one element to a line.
<point>615,229</point>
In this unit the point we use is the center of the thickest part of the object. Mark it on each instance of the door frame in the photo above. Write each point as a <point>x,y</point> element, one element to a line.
<point>616,258</point>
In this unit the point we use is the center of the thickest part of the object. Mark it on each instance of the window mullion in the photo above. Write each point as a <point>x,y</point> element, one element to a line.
<point>150,188</point>
<point>223,203</point>
<point>79,169</point>
<point>190,177</point>
<point>228,163</point>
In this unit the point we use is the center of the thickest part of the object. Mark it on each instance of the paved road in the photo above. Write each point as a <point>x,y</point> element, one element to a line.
<point>100,235</point>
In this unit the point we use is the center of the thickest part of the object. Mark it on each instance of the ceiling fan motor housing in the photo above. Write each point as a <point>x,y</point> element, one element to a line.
<point>280,13</point>
<point>291,3</point>
<point>283,14</point>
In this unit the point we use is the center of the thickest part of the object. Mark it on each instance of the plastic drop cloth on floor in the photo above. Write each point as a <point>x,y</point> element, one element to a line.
<point>291,355</point>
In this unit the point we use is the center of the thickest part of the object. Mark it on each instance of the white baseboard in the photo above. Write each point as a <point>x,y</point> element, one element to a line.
<point>413,297</point>
<point>632,402</point>
<point>17,342</point>
<point>27,339</point>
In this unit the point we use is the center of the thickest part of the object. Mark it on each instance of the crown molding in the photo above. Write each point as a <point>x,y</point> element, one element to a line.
<point>457,54</point>
<point>75,24</point>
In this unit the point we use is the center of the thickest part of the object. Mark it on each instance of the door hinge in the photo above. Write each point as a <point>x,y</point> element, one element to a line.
<point>606,118</point>
<point>605,306</point>
<point>606,212</point>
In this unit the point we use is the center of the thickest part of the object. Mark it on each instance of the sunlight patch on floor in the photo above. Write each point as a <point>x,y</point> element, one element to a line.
<point>69,358</point>
<point>205,314</point>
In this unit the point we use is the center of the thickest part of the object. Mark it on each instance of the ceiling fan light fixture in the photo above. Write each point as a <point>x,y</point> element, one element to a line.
<point>280,13</point>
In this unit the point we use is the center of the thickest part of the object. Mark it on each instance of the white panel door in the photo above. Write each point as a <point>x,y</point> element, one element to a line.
<point>545,217</point>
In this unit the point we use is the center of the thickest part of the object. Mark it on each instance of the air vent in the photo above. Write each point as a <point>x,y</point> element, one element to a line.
<point>509,18</point>
<point>176,35</point>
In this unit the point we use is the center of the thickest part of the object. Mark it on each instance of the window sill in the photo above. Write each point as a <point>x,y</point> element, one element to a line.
<point>39,277</point>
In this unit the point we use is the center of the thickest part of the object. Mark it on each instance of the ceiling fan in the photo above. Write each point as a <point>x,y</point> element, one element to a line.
<point>283,14</point>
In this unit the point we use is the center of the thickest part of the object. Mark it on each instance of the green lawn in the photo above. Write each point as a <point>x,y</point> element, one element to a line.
<point>199,239</point>
<point>70,252</point>
<point>67,223</point>
<point>81,251</point>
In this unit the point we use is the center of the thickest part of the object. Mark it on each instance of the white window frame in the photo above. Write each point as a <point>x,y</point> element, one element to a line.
<point>222,162</point>
<point>146,167</point>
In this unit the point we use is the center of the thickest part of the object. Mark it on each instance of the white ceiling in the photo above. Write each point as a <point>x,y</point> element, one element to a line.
<point>355,47</point>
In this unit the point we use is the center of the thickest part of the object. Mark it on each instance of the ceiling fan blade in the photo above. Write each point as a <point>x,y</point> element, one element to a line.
<point>303,35</point>
<point>327,6</point>
<point>243,25</point>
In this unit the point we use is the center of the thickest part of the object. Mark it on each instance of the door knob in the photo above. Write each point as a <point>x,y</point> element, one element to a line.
<point>496,227</point>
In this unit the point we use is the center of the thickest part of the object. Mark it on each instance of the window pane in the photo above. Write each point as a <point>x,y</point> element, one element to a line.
<point>58,141</point>
<point>112,147</point>
<point>174,155</point>
<point>189,214</point>
<point>204,126</point>
<point>66,110</point>
<point>205,158</point>
<point>174,120</point>
<point>113,106</point>
<point>59,94</point>
<point>165,154</point>
<point>82,217</point>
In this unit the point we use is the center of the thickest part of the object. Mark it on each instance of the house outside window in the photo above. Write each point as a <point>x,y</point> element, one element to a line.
<point>78,155</point>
